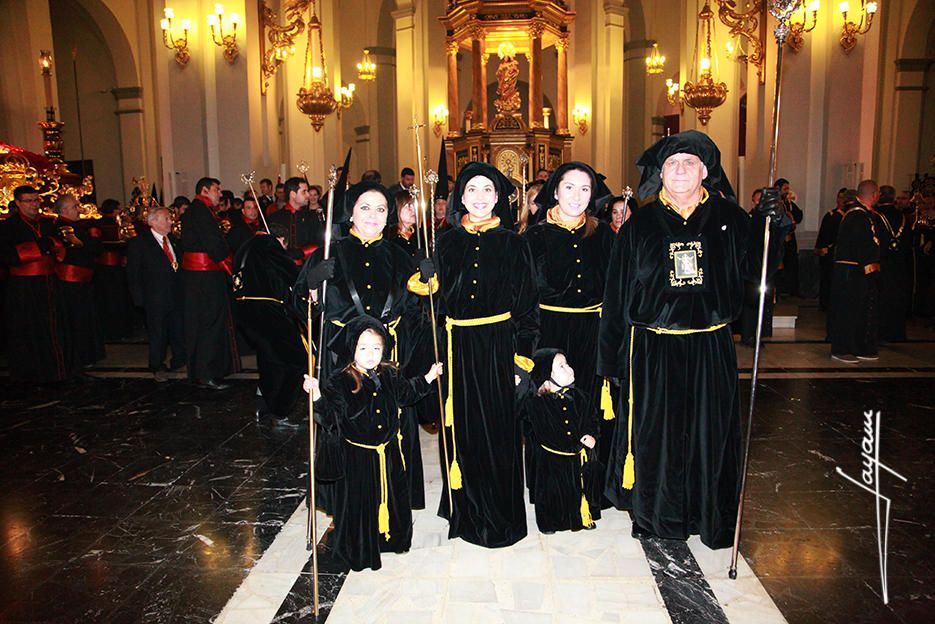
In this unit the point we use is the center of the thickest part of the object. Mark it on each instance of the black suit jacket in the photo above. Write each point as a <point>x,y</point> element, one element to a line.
<point>153,283</point>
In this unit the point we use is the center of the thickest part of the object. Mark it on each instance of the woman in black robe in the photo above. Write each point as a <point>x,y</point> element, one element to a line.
<point>571,249</point>
<point>367,275</point>
<point>489,299</point>
<point>361,405</point>
<point>568,487</point>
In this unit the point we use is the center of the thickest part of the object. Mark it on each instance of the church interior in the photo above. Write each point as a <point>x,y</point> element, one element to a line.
<point>122,500</point>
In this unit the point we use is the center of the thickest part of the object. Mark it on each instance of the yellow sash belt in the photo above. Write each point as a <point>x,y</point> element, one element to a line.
<point>383,513</point>
<point>607,401</point>
<point>629,471</point>
<point>454,471</point>
<point>586,519</point>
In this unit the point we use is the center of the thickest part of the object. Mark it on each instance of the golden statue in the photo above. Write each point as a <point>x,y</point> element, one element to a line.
<point>508,100</point>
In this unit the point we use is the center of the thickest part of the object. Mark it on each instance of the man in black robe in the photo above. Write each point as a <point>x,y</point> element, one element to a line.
<point>824,247</point>
<point>38,346</point>
<point>110,277</point>
<point>855,287</point>
<point>895,236</point>
<point>674,285</point>
<point>263,277</point>
<point>305,230</point>
<point>82,242</point>
<point>210,340</point>
<point>787,280</point>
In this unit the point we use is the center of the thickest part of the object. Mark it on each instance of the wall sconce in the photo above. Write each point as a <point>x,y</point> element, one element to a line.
<point>439,119</point>
<point>581,115</point>
<point>747,32</point>
<point>179,44</point>
<point>850,30</point>
<point>277,42</point>
<point>655,62</point>
<point>674,95</point>
<point>808,23</point>
<point>344,96</point>
<point>366,69</point>
<point>228,41</point>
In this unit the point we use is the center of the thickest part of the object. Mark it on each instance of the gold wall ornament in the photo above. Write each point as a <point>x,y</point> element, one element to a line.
<point>850,30</point>
<point>179,44</point>
<point>366,69</point>
<point>704,95</point>
<point>797,29</point>
<point>655,62</point>
<point>748,25</point>
<point>228,41</point>
<point>277,42</point>
<point>439,119</point>
<point>674,95</point>
<point>344,96</point>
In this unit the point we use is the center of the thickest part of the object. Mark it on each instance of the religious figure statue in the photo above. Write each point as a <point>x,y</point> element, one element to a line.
<point>508,100</point>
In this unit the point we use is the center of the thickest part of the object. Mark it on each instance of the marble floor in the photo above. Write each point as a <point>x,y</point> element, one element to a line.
<point>123,500</point>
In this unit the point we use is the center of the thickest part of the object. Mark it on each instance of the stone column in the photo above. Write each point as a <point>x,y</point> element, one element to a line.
<point>454,112</point>
<point>561,107</point>
<point>535,75</point>
<point>477,52</point>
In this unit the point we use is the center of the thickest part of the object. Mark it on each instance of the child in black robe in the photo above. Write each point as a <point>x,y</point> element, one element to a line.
<point>564,426</point>
<point>361,404</point>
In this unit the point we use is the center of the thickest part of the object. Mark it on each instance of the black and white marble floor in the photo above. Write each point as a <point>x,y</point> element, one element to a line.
<point>127,501</point>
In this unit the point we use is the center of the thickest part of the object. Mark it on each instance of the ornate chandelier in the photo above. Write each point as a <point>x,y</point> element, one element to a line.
<point>705,95</point>
<point>655,62</point>
<point>366,69</point>
<point>316,99</point>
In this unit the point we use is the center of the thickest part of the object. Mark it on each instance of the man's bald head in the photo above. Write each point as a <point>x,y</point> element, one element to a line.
<point>868,192</point>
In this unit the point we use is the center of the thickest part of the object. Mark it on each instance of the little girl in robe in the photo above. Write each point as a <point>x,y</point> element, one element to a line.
<point>563,432</point>
<point>361,404</point>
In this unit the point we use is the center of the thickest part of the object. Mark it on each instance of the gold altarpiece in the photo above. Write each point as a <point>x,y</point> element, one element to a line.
<point>501,30</point>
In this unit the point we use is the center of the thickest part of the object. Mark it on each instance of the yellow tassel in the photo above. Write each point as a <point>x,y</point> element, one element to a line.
<point>449,411</point>
<point>383,520</point>
<point>629,474</point>
<point>586,519</point>
<point>454,475</point>
<point>607,401</point>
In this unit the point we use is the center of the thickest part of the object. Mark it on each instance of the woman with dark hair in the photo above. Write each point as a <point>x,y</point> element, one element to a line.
<point>614,210</point>
<point>487,294</point>
<point>403,232</point>
<point>367,275</point>
<point>571,250</point>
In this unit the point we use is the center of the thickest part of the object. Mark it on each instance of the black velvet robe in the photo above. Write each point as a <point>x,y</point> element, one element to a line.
<point>483,275</point>
<point>855,292</point>
<point>570,272</point>
<point>827,237</point>
<point>210,338</point>
<point>306,229</point>
<point>371,417</point>
<point>111,290</point>
<point>558,422</point>
<point>373,271</point>
<point>39,348</point>
<point>265,271</point>
<point>895,236</point>
<point>686,405</point>
<point>78,297</point>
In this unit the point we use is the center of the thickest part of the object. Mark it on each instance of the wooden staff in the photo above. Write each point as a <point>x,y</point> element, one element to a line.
<point>438,381</point>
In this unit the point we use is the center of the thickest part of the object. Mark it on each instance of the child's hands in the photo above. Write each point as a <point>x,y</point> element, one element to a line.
<point>435,372</point>
<point>516,379</point>
<point>310,385</point>
<point>588,441</point>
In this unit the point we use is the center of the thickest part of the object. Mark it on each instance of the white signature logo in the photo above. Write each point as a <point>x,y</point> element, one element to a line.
<point>870,482</point>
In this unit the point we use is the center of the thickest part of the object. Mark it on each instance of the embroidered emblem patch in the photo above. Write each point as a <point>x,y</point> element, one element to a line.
<point>685,269</point>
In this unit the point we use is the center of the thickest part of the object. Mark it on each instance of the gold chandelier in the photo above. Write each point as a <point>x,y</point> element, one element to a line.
<point>366,69</point>
<point>655,62</point>
<point>315,98</point>
<point>705,95</point>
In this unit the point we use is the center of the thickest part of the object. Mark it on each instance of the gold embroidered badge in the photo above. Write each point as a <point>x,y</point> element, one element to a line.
<point>685,269</point>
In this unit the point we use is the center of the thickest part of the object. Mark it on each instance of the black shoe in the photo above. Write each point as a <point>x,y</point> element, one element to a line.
<point>214,385</point>
<point>637,531</point>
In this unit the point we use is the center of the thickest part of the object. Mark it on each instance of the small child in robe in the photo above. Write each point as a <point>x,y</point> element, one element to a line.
<point>361,404</point>
<point>563,435</point>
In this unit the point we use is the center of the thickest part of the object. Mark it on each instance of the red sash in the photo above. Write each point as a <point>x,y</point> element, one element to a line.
<point>74,273</point>
<point>111,258</point>
<point>44,265</point>
<point>200,261</point>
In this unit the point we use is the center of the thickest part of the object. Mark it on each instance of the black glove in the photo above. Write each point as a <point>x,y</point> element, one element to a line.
<point>46,245</point>
<point>426,270</point>
<point>319,273</point>
<point>771,205</point>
